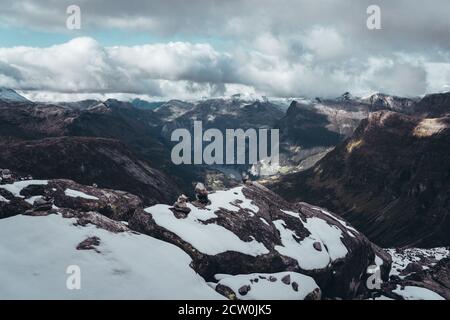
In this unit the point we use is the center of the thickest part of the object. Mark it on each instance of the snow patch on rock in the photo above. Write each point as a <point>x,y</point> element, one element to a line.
<point>209,238</point>
<point>303,251</point>
<point>231,200</point>
<point>78,194</point>
<point>17,187</point>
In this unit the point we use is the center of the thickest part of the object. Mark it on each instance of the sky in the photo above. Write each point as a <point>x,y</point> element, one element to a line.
<point>194,49</point>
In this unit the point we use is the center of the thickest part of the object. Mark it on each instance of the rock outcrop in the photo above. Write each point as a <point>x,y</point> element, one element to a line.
<point>250,229</point>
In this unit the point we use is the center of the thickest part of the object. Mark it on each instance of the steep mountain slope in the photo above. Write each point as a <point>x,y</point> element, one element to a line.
<point>311,128</point>
<point>434,105</point>
<point>306,127</point>
<point>223,114</point>
<point>113,119</point>
<point>146,105</point>
<point>138,130</point>
<point>390,179</point>
<point>27,121</point>
<point>82,104</point>
<point>9,95</point>
<point>105,162</point>
<point>173,109</point>
<point>381,101</point>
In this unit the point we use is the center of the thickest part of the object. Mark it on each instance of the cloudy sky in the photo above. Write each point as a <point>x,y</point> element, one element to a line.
<point>191,49</point>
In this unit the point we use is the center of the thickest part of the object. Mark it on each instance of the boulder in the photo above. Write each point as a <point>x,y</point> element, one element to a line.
<point>244,290</point>
<point>286,279</point>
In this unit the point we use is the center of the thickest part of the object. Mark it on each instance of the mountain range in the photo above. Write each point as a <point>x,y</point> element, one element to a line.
<point>363,182</point>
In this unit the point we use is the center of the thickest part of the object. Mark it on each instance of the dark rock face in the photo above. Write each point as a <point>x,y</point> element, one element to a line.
<point>227,114</point>
<point>89,160</point>
<point>12,207</point>
<point>343,277</point>
<point>29,121</point>
<point>379,101</point>
<point>434,105</point>
<point>390,179</point>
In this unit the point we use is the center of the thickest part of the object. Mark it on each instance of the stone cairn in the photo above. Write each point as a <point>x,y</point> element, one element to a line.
<point>201,194</point>
<point>180,207</point>
<point>41,206</point>
<point>44,203</point>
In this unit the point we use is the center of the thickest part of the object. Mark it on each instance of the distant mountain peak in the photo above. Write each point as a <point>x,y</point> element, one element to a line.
<point>9,95</point>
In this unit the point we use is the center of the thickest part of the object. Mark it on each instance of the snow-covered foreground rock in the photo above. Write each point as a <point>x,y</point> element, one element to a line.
<point>249,230</point>
<point>35,253</point>
<point>263,286</point>
<point>417,293</point>
<point>245,243</point>
<point>419,274</point>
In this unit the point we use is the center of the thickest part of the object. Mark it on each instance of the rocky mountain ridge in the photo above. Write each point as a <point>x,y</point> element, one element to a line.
<point>390,179</point>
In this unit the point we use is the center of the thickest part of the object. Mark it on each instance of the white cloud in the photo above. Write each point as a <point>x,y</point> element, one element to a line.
<point>438,76</point>
<point>325,43</point>
<point>185,70</point>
